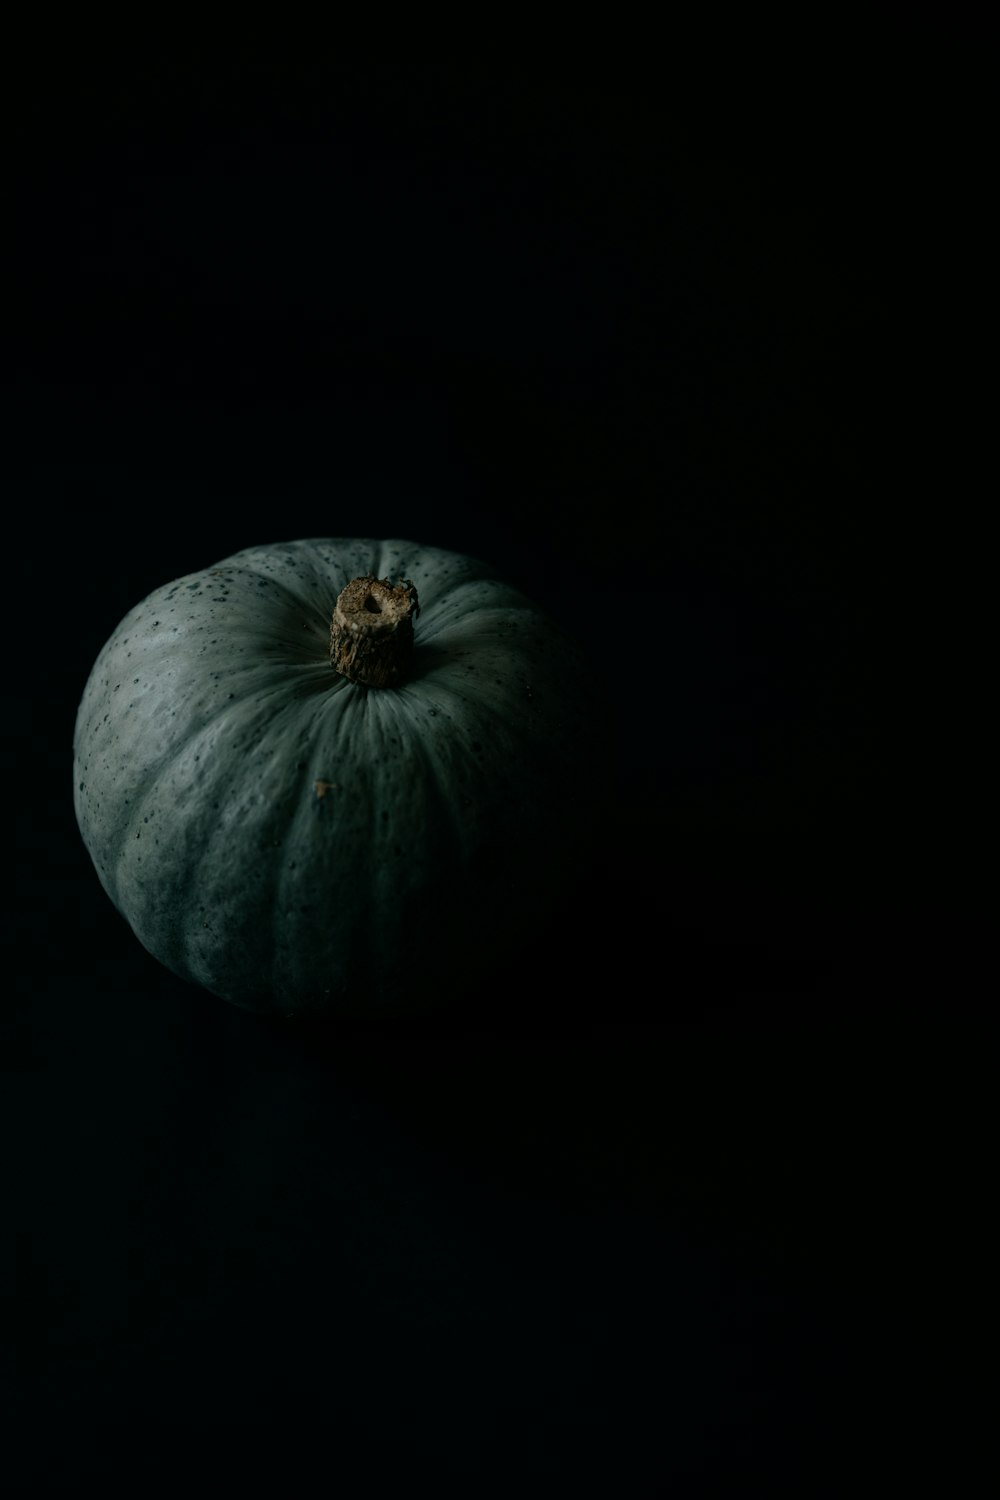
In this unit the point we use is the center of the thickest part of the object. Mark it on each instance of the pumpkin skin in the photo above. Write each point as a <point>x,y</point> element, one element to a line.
<point>295,842</point>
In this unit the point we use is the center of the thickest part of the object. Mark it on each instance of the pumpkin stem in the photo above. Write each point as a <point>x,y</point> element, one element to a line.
<point>371,633</point>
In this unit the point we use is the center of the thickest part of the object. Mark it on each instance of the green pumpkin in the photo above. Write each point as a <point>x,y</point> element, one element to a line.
<point>299,842</point>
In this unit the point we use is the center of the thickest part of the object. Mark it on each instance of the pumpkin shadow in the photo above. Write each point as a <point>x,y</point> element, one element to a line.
<point>588,1071</point>
<point>427,659</point>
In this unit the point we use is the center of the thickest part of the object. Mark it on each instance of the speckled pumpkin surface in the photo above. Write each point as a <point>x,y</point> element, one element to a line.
<point>297,842</point>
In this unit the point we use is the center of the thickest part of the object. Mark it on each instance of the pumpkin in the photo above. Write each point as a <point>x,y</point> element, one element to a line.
<point>333,776</point>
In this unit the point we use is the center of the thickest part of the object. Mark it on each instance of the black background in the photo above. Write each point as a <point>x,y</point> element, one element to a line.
<point>641,1220</point>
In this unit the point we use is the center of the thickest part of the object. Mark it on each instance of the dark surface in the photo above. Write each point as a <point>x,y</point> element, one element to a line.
<point>638,1217</point>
